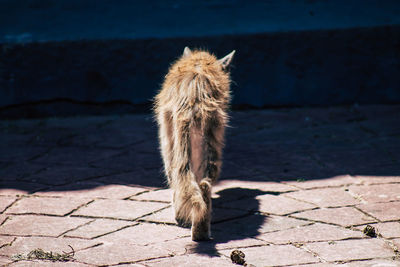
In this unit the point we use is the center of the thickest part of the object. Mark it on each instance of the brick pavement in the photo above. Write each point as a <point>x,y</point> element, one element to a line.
<point>297,189</point>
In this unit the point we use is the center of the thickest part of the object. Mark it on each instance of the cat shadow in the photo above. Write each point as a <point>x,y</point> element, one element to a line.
<point>231,223</point>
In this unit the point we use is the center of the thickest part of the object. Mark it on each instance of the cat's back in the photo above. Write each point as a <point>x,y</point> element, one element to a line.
<point>195,78</point>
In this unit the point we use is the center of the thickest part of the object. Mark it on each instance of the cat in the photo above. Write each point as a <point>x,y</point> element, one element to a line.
<point>191,112</point>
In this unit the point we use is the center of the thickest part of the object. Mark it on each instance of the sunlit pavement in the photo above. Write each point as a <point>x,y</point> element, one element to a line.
<point>298,188</point>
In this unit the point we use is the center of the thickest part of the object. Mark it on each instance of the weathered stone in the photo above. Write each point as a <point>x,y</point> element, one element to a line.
<point>93,190</point>
<point>5,202</point>
<point>325,197</point>
<point>383,211</point>
<point>24,225</point>
<point>345,216</point>
<point>24,245</point>
<point>45,205</point>
<point>119,209</point>
<point>98,227</point>
<point>309,233</point>
<point>387,229</point>
<point>377,193</point>
<point>275,255</point>
<point>114,253</point>
<point>155,233</point>
<point>351,249</point>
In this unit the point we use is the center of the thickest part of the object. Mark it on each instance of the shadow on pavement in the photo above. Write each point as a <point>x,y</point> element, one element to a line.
<point>230,230</point>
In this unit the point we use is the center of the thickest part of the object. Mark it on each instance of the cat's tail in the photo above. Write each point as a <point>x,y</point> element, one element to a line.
<point>191,200</point>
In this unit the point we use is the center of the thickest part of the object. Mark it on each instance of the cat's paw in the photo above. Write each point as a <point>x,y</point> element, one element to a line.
<point>200,235</point>
<point>201,231</point>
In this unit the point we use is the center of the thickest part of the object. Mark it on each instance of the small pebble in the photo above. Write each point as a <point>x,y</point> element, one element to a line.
<point>237,257</point>
<point>369,231</point>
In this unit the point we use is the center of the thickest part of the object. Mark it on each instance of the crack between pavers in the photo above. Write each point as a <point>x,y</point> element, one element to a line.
<point>8,244</point>
<point>77,208</point>
<point>118,219</point>
<point>139,261</point>
<point>75,228</point>
<point>117,230</point>
<point>367,214</point>
<point>10,205</point>
<point>40,155</point>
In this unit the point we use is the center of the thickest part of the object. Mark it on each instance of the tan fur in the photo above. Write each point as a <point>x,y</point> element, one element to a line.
<point>191,111</point>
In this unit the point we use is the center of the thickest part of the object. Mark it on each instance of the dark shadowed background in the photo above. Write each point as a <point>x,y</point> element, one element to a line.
<point>69,57</point>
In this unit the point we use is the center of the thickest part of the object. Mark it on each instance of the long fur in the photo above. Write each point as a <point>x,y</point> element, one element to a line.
<point>191,111</point>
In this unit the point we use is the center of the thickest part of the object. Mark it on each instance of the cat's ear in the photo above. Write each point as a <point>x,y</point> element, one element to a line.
<point>186,52</point>
<point>226,60</point>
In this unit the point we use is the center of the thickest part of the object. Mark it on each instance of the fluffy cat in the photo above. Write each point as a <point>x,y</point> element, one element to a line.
<point>191,112</point>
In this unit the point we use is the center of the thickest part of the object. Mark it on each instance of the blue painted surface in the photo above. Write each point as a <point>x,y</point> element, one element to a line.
<point>288,52</point>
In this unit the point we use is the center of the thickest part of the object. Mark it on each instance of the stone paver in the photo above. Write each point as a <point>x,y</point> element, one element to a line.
<point>24,225</point>
<point>351,249</point>
<point>191,260</point>
<point>119,209</point>
<point>155,233</point>
<point>275,255</point>
<point>270,204</point>
<point>377,193</point>
<point>23,245</point>
<point>387,229</point>
<point>5,202</point>
<point>383,211</point>
<point>326,197</point>
<point>111,254</point>
<point>98,227</point>
<point>310,233</point>
<point>297,188</point>
<point>77,190</point>
<point>47,206</point>
<point>344,216</point>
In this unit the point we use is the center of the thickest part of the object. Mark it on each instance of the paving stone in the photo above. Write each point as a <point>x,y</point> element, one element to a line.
<point>263,186</point>
<point>97,228</point>
<point>92,190</point>
<point>191,260</point>
<point>5,241</point>
<point>155,233</point>
<point>396,242</point>
<point>112,253</point>
<point>387,230</point>
<point>53,174</point>
<point>45,205</point>
<point>23,245</point>
<point>275,255</point>
<point>335,181</point>
<point>21,225</point>
<point>4,261</point>
<point>383,211</point>
<point>325,197</point>
<point>16,188</point>
<point>5,202</point>
<point>368,180</point>
<point>218,215</point>
<point>256,224</point>
<point>21,153</point>
<point>269,204</point>
<point>351,249</point>
<point>20,170</point>
<point>164,195</point>
<point>345,216</point>
<point>39,263</point>
<point>373,263</point>
<point>119,209</point>
<point>309,233</point>
<point>75,155</point>
<point>377,193</point>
